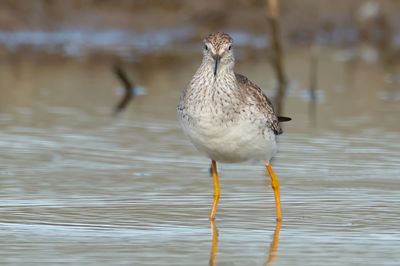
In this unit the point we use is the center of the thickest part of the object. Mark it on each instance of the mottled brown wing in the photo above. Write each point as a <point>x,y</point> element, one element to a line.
<point>263,103</point>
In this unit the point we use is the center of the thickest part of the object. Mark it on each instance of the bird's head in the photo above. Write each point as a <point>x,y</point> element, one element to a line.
<point>218,51</point>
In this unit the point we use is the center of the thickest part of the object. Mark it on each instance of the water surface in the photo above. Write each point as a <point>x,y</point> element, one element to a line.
<point>81,187</point>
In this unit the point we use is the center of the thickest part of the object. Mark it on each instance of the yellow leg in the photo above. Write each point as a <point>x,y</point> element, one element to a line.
<point>276,187</point>
<point>217,191</point>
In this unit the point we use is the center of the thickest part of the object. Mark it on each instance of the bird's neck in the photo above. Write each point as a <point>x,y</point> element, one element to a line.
<point>212,92</point>
<point>225,77</point>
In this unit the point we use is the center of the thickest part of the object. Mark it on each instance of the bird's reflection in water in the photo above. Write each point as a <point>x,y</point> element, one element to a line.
<point>273,248</point>
<point>272,252</point>
<point>214,243</point>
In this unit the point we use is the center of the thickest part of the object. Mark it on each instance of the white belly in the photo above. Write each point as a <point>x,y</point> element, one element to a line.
<point>237,142</point>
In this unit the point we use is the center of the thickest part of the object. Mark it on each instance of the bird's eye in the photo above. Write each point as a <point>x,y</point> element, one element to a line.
<point>230,47</point>
<point>206,47</point>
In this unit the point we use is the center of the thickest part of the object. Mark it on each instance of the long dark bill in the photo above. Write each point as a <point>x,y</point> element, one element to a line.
<point>216,59</point>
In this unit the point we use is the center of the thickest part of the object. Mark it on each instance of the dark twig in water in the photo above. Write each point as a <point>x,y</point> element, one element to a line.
<point>277,55</point>
<point>312,111</point>
<point>128,89</point>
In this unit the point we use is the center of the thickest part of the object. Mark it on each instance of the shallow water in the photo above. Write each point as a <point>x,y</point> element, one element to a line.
<point>81,187</point>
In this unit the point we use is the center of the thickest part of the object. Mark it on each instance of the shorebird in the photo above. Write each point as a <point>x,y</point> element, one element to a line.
<point>227,117</point>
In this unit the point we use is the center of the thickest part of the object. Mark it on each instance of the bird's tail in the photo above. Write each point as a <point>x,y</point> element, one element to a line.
<point>283,119</point>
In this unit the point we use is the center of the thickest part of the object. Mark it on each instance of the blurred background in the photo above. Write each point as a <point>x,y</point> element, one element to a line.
<point>130,186</point>
<point>60,53</point>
